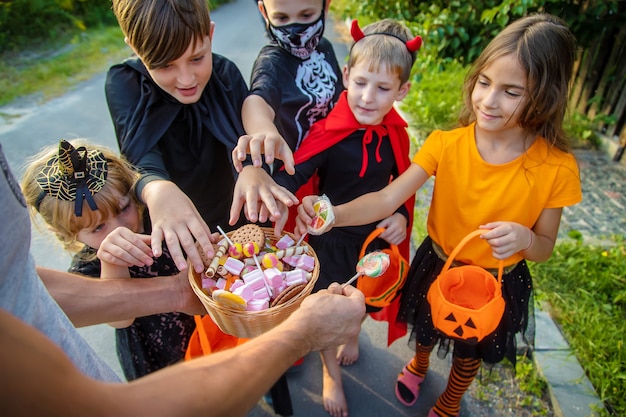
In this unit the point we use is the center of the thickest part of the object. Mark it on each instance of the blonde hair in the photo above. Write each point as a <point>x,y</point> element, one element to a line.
<point>546,49</point>
<point>59,214</point>
<point>387,49</point>
<point>160,31</point>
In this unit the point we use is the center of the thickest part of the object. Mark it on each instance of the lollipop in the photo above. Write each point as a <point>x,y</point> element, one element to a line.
<point>373,265</point>
<point>236,250</point>
<point>324,216</point>
<point>250,249</point>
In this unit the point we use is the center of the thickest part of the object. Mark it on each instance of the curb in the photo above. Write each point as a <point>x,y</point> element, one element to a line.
<point>571,392</point>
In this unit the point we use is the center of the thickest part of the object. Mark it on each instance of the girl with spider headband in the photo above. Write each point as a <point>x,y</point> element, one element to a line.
<point>85,194</point>
<point>356,149</point>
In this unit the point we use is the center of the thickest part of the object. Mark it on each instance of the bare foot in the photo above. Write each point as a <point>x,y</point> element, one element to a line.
<point>349,353</point>
<point>335,402</point>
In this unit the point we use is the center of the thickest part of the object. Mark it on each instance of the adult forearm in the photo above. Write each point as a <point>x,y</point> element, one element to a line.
<point>227,383</point>
<point>88,301</point>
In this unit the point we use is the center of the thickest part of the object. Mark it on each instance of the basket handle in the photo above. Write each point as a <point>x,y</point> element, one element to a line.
<point>458,248</point>
<point>370,239</point>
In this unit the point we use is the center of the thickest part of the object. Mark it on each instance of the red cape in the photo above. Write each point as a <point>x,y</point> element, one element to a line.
<point>338,125</point>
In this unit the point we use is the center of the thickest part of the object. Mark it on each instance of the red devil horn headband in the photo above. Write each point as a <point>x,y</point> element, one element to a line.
<point>357,34</point>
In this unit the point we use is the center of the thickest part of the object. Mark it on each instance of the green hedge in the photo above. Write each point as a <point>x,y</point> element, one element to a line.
<point>24,23</point>
<point>459,30</point>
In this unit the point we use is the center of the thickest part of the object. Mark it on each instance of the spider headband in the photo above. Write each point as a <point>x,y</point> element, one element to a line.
<point>412,45</point>
<point>73,175</point>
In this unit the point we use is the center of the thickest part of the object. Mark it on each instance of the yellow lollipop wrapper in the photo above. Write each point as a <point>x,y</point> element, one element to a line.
<point>228,299</point>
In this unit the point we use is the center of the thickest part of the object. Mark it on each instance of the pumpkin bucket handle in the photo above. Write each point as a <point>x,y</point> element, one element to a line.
<point>460,246</point>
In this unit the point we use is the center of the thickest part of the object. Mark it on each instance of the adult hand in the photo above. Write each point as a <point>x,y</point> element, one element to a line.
<point>254,185</point>
<point>331,316</point>
<point>123,247</point>
<point>186,301</point>
<point>176,221</point>
<point>270,144</point>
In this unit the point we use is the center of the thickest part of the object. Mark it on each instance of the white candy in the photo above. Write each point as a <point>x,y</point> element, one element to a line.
<point>233,265</point>
<point>285,242</point>
<point>306,262</point>
<point>244,292</point>
<point>274,277</point>
<point>254,279</point>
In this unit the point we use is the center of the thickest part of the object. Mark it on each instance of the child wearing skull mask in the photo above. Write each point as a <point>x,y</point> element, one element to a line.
<point>296,79</point>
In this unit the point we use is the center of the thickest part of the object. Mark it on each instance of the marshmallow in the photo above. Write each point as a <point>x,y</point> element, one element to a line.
<point>291,260</point>
<point>244,292</point>
<point>221,283</point>
<point>306,262</point>
<point>254,279</point>
<point>257,305</point>
<point>273,277</point>
<point>284,242</point>
<point>261,294</point>
<point>297,276</point>
<point>234,266</point>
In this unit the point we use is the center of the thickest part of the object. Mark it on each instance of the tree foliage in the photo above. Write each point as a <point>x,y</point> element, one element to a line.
<point>459,29</point>
<point>26,22</point>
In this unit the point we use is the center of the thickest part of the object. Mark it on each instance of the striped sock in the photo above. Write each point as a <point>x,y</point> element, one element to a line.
<point>421,360</point>
<point>462,374</point>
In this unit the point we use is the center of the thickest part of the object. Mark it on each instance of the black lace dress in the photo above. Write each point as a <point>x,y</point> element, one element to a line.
<point>151,342</point>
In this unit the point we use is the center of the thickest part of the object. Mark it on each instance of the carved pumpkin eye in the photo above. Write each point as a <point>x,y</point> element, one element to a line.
<point>457,328</point>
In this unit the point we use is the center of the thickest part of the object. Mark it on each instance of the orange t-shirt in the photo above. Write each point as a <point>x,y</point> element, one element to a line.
<point>469,192</point>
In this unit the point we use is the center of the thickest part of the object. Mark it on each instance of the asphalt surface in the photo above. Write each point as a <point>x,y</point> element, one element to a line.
<point>239,34</point>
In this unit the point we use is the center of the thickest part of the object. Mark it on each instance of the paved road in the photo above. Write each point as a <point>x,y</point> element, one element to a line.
<point>369,384</point>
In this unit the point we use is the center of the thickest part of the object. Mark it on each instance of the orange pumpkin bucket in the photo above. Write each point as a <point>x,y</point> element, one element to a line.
<point>466,301</point>
<point>380,291</point>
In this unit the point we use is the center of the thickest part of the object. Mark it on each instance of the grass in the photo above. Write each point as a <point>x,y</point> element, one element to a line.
<point>50,70</point>
<point>585,289</point>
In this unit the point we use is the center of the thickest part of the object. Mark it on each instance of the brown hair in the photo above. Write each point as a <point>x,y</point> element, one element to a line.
<point>160,31</point>
<point>59,214</point>
<point>388,49</point>
<point>546,49</point>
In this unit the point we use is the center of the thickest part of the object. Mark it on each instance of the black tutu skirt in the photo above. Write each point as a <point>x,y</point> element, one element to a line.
<point>516,328</point>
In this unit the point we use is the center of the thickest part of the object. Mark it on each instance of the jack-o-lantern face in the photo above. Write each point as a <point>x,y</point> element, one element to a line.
<point>457,327</point>
<point>459,322</point>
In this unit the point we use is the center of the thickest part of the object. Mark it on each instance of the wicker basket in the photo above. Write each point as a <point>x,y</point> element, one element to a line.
<point>250,324</point>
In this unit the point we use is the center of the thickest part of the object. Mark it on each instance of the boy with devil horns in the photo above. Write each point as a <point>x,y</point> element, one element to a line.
<point>358,148</point>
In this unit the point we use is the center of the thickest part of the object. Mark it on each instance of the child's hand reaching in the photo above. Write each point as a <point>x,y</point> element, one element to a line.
<point>259,196</point>
<point>395,229</point>
<point>279,223</point>
<point>306,214</point>
<point>270,144</point>
<point>507,238</point>
<point>123,247</point>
